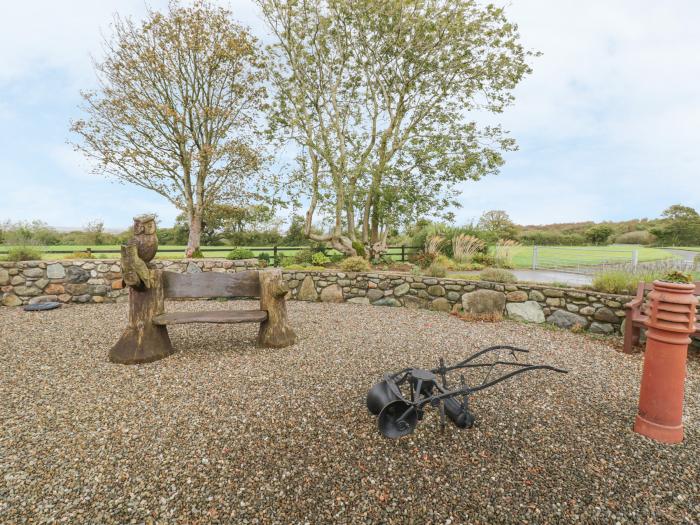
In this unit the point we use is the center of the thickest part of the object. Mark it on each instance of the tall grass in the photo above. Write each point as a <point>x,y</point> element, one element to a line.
<point>465,246</point>
<point>434,243</point>
<point>505,249</point>
<point>623,282</point>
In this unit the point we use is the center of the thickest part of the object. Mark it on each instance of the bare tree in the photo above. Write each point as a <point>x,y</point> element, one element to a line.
<point>177,107</point>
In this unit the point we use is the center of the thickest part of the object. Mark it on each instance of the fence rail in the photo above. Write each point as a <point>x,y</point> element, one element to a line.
<point>402,252</point>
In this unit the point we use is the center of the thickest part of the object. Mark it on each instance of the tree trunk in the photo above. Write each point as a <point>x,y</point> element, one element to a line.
<point>276,332</point>
<point>194,239</point>
<point>143,341</point>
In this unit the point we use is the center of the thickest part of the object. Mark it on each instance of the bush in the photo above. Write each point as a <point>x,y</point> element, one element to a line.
<point>23,253</point>
<point>319,259</point>
<point>264,257</point>
<point>484,259</point>
<point>638,237</point>
<point>359,248</point>
<point>497,275</point>
<point>436,270</point>
<point>355,264</point>
<point>336,257</point>
<point>677,276</point>
<point>621,282</point>
<point>240,253</point>
<point>80,255</point>
<point>465,267</point>
<point>303,256</point>
<point>424,259</point>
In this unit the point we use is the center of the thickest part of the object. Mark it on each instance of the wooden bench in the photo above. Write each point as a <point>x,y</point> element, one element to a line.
<point>146,337</point>
<point>637,312</point>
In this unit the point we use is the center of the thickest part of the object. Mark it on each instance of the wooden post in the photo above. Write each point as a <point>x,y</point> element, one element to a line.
<point>276,332</point>
<point>143,341</point>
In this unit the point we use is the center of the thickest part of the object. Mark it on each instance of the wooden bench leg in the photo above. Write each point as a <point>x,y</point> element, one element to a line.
<point>143,341</point>
<point>631,336</point>
<point>275,332</point>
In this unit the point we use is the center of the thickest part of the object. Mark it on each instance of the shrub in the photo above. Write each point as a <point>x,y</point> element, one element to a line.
<point>240,253</point>
<point>638,237</point>
<point>303,256</point>
<point>23,253</point>
<point>424,259</point>
<point>497,275</point>
<point>436,270</point>
<point>465,267</point>
<point>319,259</point>
<point>677,276</point>
<point>359,248</point>
<point>197,254</point>
<point>355,264</point>
<point>620,281</point>
<point>264,257</point>
<point>433,244</point>
<point>336,257</point>
<point>484,259</point>
<point>80,255</point>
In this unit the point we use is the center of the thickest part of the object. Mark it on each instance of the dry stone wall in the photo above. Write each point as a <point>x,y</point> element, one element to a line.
<point>100,281</point>
<point>564,307</point>
<point>87,281</point>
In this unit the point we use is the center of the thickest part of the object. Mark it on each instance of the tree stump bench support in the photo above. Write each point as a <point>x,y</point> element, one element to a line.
<point>146,336</point>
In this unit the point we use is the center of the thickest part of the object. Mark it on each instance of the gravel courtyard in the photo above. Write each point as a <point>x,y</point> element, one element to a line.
<point>225,432</point>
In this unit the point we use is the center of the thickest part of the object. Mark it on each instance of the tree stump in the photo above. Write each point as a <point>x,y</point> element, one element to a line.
<point>143,341</point>
<point>276,332</point>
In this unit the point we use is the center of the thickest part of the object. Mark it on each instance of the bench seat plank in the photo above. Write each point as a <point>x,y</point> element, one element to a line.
<point>223,316</point>
<point>211,284</point>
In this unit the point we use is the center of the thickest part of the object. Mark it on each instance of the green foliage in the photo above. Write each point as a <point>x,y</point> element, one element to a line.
<point>677,276</point>
<point>497,225</point>
<point>336,257</point>
<point>551,238</point>
<point>197,254</point>
<point>423,259</point>
<point>436,270</point>
<point>680,226</point>
<point>622,282</point>
<point>264,257</point>
<point>303,256</point>
<point>319,259</point>
<point>636,237</point>
<point>484,259</point>
<point>497,275</point>
<point>359,248</point>
<point>23,253</point>
<point>355,264</point>
<point>599,235</point>
<point>240,253</point>
<point>295,233</point>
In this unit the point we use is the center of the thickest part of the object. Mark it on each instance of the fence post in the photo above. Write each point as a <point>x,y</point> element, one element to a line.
<point>403,253</point>
<point>635,258</point>
<point>534,257</point>
<point>274,255</point>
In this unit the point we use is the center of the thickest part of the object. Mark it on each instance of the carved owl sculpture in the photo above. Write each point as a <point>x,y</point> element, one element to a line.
<point>145,237</point>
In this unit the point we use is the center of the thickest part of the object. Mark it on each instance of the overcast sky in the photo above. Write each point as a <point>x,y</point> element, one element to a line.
<point>608,124</point>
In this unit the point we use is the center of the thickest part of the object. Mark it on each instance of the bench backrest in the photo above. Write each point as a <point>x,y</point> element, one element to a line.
<point>211,284</point>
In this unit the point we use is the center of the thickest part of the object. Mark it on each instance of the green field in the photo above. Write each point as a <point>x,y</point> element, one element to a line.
<point>558,256</point>
<point>687,248</point>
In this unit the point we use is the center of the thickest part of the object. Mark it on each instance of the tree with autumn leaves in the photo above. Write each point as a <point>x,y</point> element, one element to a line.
<point>377,99</point>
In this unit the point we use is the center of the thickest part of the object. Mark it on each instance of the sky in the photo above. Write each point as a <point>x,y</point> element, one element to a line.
<point>608,124</point>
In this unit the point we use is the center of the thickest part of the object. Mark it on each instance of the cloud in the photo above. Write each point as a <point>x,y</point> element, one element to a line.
<point>607,123</point>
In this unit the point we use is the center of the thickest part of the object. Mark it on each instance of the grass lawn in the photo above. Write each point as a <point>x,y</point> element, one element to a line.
<point>553,256</point>
<point>688,248</point>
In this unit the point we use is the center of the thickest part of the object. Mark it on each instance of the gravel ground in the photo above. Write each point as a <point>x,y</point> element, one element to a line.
<point>224,432</point>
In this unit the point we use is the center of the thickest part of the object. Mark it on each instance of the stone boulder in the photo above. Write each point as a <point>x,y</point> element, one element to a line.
<point>441,305</point>
<point>529,312</point>
<point>76,275</point>
<point>602,328</point>
<point>387,301</point>
<point>332,294</point>
<point>606,315</point>
<point>517,296</point>
<point>307,292</point>
<point>11,300</point>
<point>359,300</point>
<point>402,289</point>
<point>564,319</point>
<point>55,271</point>
<point>4,277</point>
<point>483,302</point>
